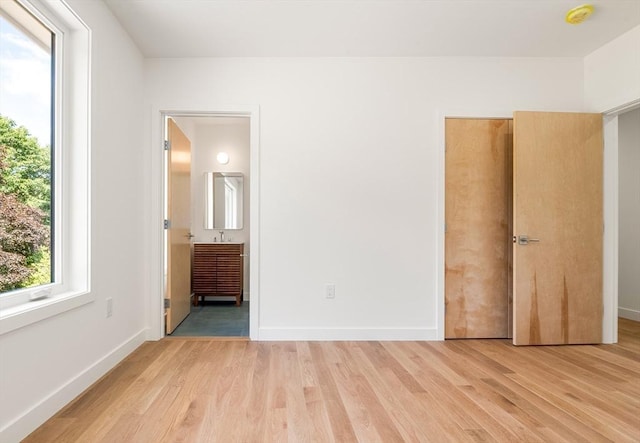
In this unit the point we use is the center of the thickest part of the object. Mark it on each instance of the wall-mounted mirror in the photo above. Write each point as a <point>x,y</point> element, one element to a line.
<point>223,200</point>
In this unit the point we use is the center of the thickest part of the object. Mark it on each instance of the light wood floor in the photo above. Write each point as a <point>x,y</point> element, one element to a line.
<point>207,390</point>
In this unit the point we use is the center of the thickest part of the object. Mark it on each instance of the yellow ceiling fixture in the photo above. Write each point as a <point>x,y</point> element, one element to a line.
<point>578,14</point>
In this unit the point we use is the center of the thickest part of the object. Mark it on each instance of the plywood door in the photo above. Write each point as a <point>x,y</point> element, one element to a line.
<point>478,219</point>
<point>179,235</point>
<point>558,201</point>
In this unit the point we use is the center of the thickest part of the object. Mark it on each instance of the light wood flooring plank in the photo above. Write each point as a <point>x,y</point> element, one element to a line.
<point>208,390</point>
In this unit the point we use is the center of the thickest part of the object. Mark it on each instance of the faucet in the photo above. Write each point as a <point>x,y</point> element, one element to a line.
<point>221,235</point>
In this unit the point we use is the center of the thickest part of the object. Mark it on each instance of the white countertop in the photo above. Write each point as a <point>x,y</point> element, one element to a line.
<point>219,242</point>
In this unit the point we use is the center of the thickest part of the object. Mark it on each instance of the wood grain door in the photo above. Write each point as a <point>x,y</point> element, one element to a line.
<point>558,204</point>
<point>478,228</point>
<point>178,235</point>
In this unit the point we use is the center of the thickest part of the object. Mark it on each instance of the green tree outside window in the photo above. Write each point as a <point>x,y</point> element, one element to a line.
<point>25,208</point>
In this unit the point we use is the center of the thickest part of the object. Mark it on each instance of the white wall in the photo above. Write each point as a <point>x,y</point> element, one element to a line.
<point>45,365</point>
<point>187,126</point>
<point>612,73</point>
<point>230,135</point>
<point>629,221</point>
<point>334,133</point>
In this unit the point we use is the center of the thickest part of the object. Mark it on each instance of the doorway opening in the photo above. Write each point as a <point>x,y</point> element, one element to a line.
<point>628,214</point>
<point>207,238</point>
<point>614,181</point>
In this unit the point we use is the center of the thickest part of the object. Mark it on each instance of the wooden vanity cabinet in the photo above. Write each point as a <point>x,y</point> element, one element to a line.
<point>217,270</point>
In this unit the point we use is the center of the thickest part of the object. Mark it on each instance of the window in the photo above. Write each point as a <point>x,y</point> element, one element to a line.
<point>26,150</point>
<point>44,161</point>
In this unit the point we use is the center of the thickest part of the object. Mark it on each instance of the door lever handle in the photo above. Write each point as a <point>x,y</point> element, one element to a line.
<point>525,240</point>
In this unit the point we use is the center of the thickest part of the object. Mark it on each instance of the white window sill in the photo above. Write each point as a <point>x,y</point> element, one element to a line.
<point>24,314</point>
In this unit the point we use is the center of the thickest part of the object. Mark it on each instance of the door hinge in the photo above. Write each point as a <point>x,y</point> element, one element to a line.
<point>445,228</point>
<point>167,145</point>
<point>167,303</point>
<point>167,223</point>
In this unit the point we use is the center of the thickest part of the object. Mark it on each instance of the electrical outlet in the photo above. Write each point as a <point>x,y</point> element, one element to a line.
<point>330,291</point>
<point>109,307</point>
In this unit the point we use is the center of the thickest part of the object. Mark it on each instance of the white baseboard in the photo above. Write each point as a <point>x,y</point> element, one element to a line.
<point>351,334</point>
<point>29,421</point>
<point>630,314</point>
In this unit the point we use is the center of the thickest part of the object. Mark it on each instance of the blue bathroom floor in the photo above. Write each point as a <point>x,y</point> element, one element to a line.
<point>215,318</point>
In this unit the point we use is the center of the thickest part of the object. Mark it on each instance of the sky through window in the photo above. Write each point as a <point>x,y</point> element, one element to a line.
<point>25,82</point>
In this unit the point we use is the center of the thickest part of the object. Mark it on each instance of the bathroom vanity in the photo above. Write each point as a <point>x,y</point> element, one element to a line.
<point>217,270</point>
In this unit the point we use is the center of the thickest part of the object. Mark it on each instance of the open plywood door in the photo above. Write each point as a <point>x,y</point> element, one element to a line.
<point>478,169</point>
<point>558,207</point>
<point>178,235</point>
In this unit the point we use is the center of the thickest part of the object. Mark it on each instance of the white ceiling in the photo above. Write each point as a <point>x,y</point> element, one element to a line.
<point>312,28</point>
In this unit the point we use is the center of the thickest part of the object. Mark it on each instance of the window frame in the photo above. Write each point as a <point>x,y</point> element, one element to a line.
<point>71,163</point>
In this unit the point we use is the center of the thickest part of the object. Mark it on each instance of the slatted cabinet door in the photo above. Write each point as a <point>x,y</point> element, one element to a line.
<point>218,270</point>
<point>204,270</point>
<point>229,269</point>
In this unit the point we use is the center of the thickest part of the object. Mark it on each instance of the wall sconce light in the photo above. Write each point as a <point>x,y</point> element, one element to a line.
<point>223,158</point>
